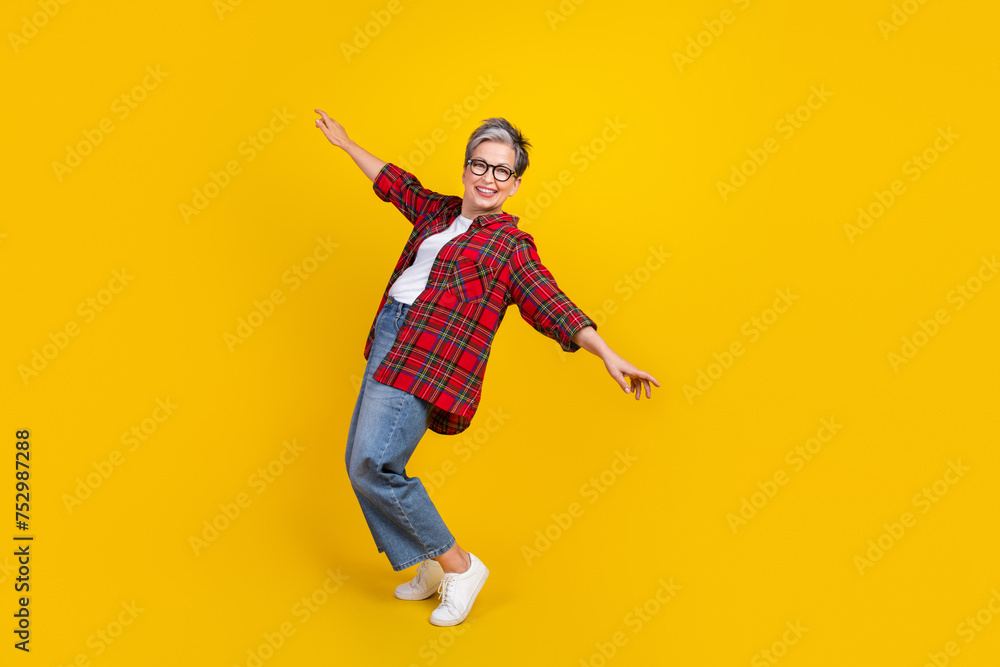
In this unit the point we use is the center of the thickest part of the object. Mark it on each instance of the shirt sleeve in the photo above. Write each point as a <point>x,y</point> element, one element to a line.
<point>393,184</point>
<point>539,299</point>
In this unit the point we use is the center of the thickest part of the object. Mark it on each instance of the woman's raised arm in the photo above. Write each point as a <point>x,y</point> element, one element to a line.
<point>333,130</point>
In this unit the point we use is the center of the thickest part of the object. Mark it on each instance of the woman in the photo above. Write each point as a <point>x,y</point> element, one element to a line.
<point>463,265</point>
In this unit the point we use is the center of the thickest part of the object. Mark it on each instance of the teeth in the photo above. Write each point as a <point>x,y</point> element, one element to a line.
<point>486,190</point>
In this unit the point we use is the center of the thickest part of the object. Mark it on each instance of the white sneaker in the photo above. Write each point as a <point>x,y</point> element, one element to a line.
<point>458,590</point>
<point>422,586</point>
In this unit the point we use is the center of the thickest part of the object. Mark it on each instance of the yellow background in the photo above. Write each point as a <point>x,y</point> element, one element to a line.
<point>560,72</point>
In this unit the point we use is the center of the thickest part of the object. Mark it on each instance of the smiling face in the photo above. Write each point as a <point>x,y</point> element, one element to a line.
<point>485,194</point>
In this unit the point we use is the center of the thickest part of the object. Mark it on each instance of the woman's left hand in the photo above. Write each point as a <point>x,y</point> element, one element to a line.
<point>628,377</point>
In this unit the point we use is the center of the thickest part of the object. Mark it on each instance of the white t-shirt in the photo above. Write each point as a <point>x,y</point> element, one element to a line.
<point>413,280</point>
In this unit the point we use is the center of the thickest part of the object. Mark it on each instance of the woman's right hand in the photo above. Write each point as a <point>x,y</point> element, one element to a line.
<point>368,163</point>
<point>332,129</point>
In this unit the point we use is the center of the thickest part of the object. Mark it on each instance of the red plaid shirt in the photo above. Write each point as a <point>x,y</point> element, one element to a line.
<point>442,347</point>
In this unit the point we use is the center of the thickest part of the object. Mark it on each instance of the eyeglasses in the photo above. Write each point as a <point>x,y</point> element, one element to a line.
<point>479,167</point>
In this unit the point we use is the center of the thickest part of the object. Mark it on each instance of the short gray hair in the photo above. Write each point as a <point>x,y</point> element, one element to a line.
<point>500,130</point>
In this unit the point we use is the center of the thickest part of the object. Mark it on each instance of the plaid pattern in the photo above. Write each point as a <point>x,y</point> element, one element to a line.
<point>441,350</point>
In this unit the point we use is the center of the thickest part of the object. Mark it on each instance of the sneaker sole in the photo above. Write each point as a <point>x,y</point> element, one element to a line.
<point>416,597</point>
<point>472,601</point>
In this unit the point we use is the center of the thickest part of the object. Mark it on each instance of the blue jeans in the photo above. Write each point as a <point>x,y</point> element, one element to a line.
<point>385,428</point>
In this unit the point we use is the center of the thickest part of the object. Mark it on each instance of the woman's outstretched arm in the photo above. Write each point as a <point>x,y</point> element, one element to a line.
<point>628,377</point>
<point>333,130</point>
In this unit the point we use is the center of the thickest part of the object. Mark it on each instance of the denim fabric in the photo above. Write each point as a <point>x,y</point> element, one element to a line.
<point>385,428</point>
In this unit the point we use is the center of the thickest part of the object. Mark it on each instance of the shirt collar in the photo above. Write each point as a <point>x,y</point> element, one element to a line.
<point>502,218</point>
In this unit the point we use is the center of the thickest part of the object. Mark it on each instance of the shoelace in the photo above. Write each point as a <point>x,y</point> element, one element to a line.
<point>446,589</point>
<point>422,570</point>
<point>423,573</point>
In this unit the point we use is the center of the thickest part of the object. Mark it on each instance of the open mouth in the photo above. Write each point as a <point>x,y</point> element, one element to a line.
<point>486,192</point>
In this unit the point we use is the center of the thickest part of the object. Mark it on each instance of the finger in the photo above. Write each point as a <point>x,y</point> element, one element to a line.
<point>647,376</point>
<point>648,391</point>
<point>322,113</point>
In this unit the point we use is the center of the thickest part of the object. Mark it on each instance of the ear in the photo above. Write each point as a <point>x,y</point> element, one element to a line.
<point>517,184</point>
